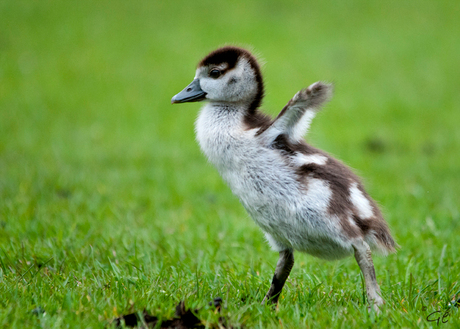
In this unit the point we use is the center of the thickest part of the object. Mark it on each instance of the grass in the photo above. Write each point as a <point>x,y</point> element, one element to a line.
<point>107,206</point>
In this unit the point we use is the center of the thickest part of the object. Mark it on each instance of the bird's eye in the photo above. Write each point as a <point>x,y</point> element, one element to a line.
<point>214,74</point>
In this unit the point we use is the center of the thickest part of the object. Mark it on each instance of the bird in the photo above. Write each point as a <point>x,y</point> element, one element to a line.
<point>302,198</point>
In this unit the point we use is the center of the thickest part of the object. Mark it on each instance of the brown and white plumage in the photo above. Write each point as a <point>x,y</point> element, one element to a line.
<point>301,197</point>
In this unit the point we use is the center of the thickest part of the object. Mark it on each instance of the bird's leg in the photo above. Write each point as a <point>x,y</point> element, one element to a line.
<point>283,268</point>
<point>364,259</point>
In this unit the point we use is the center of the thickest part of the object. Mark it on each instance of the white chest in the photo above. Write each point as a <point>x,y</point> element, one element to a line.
<point>257,174</point>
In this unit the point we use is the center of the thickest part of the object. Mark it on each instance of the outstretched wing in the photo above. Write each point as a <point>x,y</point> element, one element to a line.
<point>295,118</point>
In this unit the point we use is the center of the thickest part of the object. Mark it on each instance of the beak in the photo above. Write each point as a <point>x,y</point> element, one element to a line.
<point>191,93</point>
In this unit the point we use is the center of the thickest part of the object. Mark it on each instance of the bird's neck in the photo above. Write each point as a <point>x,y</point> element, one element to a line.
<point>219,128</point>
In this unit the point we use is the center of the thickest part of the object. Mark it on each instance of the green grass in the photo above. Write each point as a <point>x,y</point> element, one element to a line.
<point>107,206</point>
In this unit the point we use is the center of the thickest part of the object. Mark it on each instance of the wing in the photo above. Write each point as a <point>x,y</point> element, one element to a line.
<point>295,118</point>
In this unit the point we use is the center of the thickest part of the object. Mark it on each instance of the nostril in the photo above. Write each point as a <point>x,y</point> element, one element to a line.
<point>189,89</point>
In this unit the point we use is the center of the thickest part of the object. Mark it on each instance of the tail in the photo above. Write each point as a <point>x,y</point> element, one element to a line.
<point>380,240</point>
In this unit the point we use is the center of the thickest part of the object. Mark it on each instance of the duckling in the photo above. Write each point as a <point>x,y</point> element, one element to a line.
<point>301,197</point>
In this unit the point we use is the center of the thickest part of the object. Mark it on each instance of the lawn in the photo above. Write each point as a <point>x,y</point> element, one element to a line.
<point>108,207</point>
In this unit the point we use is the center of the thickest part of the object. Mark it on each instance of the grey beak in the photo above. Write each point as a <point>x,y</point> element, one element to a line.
<point>191,93</point>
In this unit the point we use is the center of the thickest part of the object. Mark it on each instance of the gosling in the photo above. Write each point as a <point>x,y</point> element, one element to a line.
<point>302,198</point>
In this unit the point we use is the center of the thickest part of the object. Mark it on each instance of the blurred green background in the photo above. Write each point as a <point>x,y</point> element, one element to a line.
<point>107,205</point>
